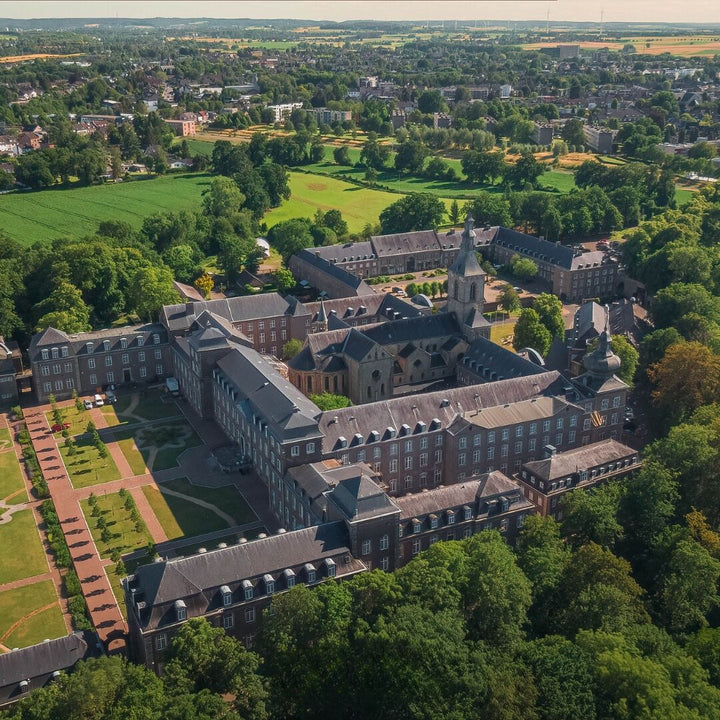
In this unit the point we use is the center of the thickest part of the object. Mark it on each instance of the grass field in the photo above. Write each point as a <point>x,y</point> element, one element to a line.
<point>21,553</point>
<point>126,442</point>
<point>500,331</point>
<point>11,482</point>
<point>86,467</point>
<point>130,409</point>
<point>30,217</point>
<point>5,439</point>
<point>27,602</point>
<point>77,419</point>
<point>184,518</point>
<point>125,534</point>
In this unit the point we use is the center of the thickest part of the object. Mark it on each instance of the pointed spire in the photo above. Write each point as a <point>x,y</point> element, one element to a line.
<point>322,315</point>
<point>468,235</point>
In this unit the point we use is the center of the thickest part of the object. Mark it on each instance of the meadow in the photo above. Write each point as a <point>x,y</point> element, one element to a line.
<point>680,45</point>
<point>46,215</point>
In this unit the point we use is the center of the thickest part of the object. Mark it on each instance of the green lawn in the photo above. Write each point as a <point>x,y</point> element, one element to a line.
<point>5,439</point>
<point>19,603</point>
<point>183,518</point>
<point>159,435</point>
<point>499,331</point>
<point>154,405</point>
<point>11,481</point>
<point>125,536</point>
<point>86,467</point>
<point>44,215</point>
<point>21,552</point>
<point>126,442</point>
<point>560,180</point>
<point>77,419</point>
<point>682,195</point>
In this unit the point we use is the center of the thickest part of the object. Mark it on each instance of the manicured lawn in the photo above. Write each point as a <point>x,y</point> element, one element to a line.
<point>77,419</point>
<point>44,215</point>
<point>11,481</point>
<point>86,467</point>
<point>21,552</point>
<point>5,439</point>
<point>126,442</point>
<point>683,195</point>
<point>177,437</point>
<point>184,518</point>
<point>21,602</point>
<point>134,408</point>
<point>560,180</point>
<point>500,331</point>
<point>125,535</point>
<point>227,498</point>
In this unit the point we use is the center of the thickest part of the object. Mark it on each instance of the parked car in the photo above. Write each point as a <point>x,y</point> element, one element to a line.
<point>88,404</point>
<point>110,396</point>
<point>99,402</point>
<point>56,428</point>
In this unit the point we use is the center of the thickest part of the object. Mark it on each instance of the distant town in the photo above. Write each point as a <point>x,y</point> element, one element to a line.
<point>325,347</point>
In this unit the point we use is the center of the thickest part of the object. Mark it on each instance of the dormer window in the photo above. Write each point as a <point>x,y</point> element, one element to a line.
<point>89,348</point>
<point>248,589</point>
<point>180,610</point>
<point>55,353</point>
<point>289,576</point>
<point>44,354</point>
<point>156,339</point>
<point>309,573</point>
<point>269,584</point>
<point>123,343</point>
<point>226,595</point>
<point>433,522</point>
<point>330,567</point>
<point>416,525</point>
<point>106,346</point>
<point>450,517</point>
<point>140,340</point>
<point>467,513</point>
<point>64,352</point>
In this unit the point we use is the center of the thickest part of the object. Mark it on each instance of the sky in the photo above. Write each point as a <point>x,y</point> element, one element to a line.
<point>706,11</point>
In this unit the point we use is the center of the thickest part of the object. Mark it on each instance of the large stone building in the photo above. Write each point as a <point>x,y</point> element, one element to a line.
<point>86,363</point>
<point>571,274</point>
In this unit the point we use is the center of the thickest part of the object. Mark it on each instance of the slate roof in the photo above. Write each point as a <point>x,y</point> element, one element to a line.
<point>164,582</point>
<point>187,291</point>
<point>453,496</point>
<point>346,252</point>
<point>534,247</point>
<point>588,322</point>
<point>409,242</point>
<point>484,357</point>
<point>519,412</point>
<point>414,329</point>
<point>291,413</point>
<point>359,497</point>
<point>357,345</point>
<point>238,309</point>
<point>77,342</point>
<point>588,456</point>
<point>445,405</point>
<point>45,658</point>
<point>356,285</point>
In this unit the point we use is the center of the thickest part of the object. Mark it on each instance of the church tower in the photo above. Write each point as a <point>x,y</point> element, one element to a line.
<point>466,287</point>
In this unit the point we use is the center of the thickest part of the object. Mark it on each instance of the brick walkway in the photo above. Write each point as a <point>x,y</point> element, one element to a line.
<point>104,611</point>
<point>54,572</point>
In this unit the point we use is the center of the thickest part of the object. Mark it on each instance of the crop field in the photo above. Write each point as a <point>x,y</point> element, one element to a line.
<point>9,59</point>
<point>681,45</point>
<point>48,214</point>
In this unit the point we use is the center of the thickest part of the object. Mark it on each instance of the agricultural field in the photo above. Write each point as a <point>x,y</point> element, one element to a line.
<point>680,45</point>
<point>30,217</point>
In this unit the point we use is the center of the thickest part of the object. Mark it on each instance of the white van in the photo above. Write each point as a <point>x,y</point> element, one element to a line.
<point>99,401</point>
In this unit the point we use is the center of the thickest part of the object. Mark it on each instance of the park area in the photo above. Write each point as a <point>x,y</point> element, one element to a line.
<point>29,615</point>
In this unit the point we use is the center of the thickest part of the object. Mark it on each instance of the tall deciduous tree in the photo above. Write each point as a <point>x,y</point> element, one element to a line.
<point>416,211</point>
<point>530,332</point>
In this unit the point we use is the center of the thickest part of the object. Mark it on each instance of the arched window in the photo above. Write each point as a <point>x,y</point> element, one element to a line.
<point>473,292</point>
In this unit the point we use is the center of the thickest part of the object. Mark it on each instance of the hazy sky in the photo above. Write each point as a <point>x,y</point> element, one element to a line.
<point>589,10</point>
